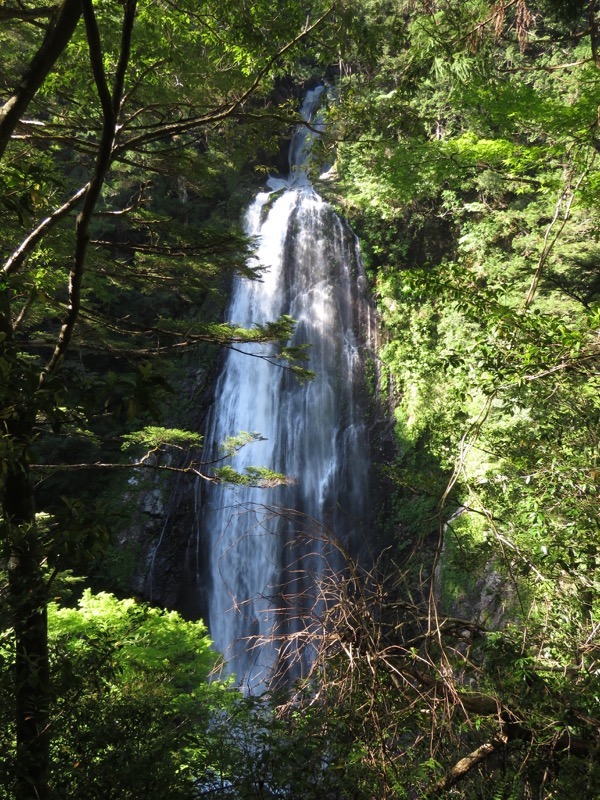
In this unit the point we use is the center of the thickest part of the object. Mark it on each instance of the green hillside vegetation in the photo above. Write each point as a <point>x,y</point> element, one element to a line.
<point>465,137</point>
<point>468,166</point>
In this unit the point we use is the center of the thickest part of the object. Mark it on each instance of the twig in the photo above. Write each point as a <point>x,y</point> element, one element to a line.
<point>18,257</point>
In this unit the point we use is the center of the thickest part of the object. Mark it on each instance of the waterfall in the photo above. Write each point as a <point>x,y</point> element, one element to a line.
<point>260,560</point>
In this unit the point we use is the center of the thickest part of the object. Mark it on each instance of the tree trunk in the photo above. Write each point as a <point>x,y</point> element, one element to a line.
<point>26,585</point>
<point>32,689</point>
<point>27,593</point>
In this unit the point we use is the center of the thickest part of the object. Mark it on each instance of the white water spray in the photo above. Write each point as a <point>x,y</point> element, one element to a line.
<point>316,433</point>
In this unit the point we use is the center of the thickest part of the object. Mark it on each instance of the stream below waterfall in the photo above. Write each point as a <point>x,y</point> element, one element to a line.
<point>261,553</point>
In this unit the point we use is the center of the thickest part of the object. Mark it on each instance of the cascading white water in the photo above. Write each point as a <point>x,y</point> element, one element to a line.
<point>316,433</point>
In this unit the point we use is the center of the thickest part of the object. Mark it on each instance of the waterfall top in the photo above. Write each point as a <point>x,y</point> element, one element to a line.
<point>301,144</point>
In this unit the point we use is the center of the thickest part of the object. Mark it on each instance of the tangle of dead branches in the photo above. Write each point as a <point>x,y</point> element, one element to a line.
<point>408,684</point>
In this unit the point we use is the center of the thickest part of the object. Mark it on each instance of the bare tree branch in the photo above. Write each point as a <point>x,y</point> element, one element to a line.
<point>110,106</point>
<point>26,14</point>
<point>380,654</point>
<point>19,256</point>
<point>567,196</point>
<point>57,37</point>
<point>465,765</point>
<point>191,469</point>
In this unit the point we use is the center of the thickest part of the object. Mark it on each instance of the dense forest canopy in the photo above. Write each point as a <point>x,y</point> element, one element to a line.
<point>465,140</point>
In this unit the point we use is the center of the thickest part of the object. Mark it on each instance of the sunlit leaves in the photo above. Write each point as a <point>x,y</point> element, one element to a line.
<point>486,187</point>
<point>153,437</point>
<point>259,477</point>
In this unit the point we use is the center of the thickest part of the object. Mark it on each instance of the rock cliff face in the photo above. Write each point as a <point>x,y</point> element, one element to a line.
<point>177,576</point>
<point>488,603</point>
<point>476,593</point>
<point>167,508</point>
